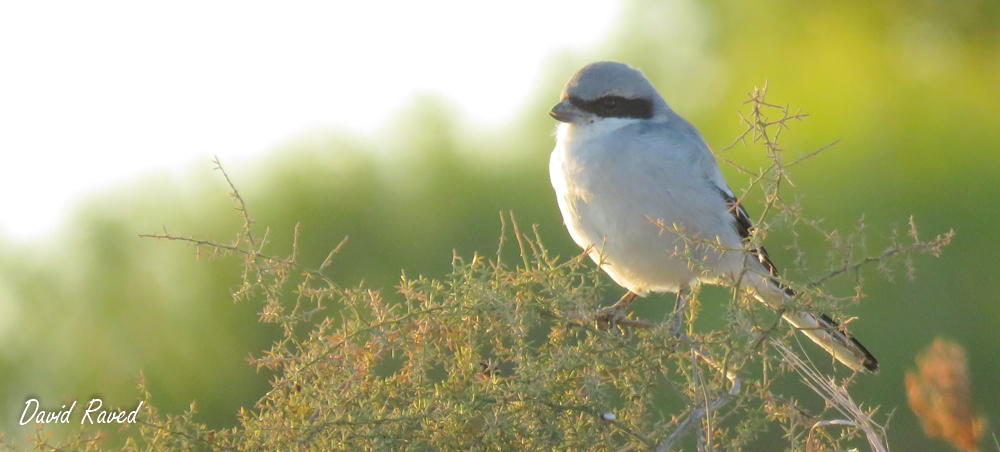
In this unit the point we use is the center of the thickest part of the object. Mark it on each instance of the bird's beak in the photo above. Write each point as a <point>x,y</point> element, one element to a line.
<point>565,112</point>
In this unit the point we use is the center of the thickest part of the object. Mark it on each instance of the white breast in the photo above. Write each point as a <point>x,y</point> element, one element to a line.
<point>612,187</point>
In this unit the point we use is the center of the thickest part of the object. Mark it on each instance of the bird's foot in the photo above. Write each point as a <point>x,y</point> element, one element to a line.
<point>676,323</point>
<point>615,316</point>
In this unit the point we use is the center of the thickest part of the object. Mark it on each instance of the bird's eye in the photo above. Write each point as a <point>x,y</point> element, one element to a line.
<point>609,104</point>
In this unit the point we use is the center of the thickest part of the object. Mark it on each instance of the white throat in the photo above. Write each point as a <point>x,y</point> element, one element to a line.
<point>592,128</point>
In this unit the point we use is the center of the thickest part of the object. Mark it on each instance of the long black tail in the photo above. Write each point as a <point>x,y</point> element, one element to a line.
<point>834,339</point>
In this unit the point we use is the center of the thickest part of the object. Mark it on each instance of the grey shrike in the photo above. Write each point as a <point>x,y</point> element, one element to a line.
<point>623,162</point>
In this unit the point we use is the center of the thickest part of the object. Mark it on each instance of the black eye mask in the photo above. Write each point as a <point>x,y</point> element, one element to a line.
<point>615,107</point>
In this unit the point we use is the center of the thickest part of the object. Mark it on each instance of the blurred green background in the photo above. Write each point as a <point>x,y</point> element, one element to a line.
<point>910,88</point>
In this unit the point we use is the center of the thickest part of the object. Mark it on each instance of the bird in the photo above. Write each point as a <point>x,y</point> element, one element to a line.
<point>641,191</point>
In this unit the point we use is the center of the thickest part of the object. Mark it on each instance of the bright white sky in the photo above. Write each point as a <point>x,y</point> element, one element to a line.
<point>98,92</point>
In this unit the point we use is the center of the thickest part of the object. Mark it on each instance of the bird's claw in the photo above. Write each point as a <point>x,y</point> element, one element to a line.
<point>609,317</point>
<point>614,316</point>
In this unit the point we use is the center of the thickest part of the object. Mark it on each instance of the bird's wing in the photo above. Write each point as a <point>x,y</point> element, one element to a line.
<point>744,227</point>
<point>820,328</point>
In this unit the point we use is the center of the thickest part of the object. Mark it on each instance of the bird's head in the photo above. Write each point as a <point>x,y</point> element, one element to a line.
<point>608,89</point>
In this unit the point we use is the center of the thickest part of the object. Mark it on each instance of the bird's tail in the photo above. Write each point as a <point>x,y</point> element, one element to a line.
<point>819,328</point>
<point>828,334</point>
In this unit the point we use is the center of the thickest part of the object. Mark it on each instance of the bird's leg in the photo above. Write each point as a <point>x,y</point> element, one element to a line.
<point>625,301</point>
<point>614,315</point>
<point>675,329</point>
